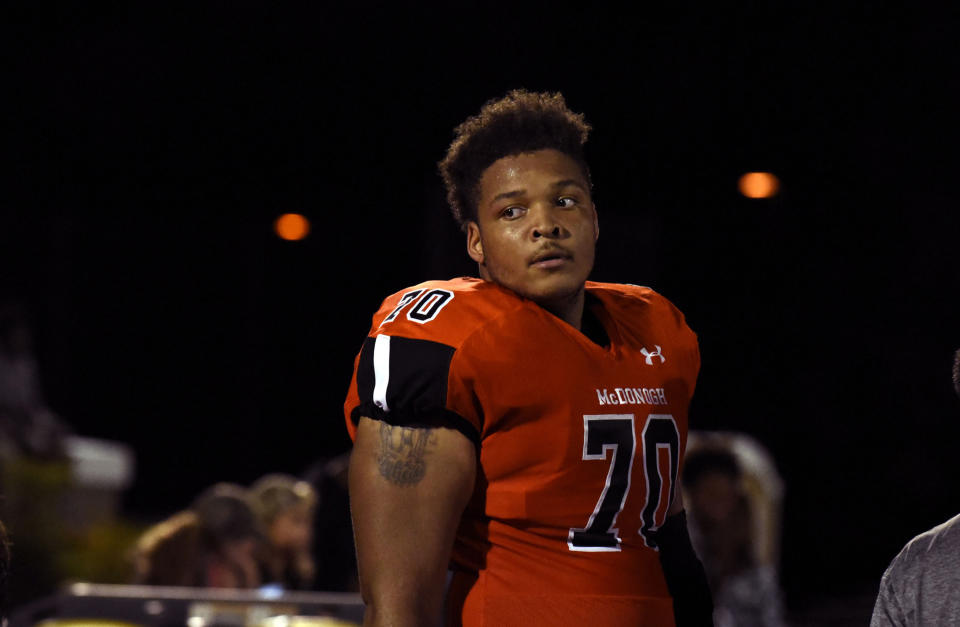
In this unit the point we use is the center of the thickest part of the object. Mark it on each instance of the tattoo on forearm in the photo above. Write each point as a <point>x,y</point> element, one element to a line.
<point>403,452</point>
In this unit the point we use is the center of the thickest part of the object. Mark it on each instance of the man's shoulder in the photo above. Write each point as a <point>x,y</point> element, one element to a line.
<point>443,311</point>
<point>623,290</point>
<point>628,300</point>
<point>930,547</point>
<point>944,537</point>
<point>945,531</point>
<point>627,293</point>
<point>914,583</point>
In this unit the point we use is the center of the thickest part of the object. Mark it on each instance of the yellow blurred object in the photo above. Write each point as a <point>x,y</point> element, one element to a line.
<point>292,226</point>
<point>759,185</point>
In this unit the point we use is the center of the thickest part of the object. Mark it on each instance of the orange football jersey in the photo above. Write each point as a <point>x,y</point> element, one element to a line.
<point>579,444</point>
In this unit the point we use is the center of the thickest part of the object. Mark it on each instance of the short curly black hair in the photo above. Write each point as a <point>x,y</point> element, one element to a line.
<point>522,121</point>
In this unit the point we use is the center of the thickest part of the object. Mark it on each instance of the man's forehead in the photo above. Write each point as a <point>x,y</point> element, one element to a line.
<point>549,166</point>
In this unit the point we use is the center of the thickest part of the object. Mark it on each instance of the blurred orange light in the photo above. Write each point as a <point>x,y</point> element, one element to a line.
<point>292,226</point>
<point>759,185</point>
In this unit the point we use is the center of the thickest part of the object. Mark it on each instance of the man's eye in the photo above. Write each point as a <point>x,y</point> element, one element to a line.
<point>511,212</point>
<point>566,201</point>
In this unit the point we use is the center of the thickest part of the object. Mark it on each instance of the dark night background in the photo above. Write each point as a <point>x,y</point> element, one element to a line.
<point>147,151</point>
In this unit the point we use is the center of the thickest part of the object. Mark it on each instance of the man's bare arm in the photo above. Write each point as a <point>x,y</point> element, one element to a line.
<point>408,489</point>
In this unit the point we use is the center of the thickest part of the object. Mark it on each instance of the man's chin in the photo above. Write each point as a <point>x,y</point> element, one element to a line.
<point>546,291</point>
<point>555,295</point>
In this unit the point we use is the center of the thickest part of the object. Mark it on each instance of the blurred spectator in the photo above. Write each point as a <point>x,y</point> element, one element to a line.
<point>922,584</point>
<point>27,425</point>
<point>334,549</point>
<point>285,507</point>
<point>213,544</point>
<point>745,590</point>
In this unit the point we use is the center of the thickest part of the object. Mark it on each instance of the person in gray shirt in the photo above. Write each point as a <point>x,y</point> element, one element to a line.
<point>922,584</point>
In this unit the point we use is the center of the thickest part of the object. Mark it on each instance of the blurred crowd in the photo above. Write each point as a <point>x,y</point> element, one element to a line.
<point>266,534</point>
<point>229,536</point>
<point>233,536</point>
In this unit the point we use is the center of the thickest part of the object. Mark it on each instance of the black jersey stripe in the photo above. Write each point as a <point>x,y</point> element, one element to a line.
<point>416,392</point>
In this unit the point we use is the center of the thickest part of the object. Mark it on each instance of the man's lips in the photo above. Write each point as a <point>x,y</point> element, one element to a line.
<point>553,258</point>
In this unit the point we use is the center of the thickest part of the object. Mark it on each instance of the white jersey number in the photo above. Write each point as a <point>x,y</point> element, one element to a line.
<point>428,305</point>
<point>614,433</point>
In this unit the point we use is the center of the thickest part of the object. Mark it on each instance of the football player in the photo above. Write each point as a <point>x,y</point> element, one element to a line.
<point>524,429</point>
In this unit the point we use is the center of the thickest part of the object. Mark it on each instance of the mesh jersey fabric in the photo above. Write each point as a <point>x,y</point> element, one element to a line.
<point>579,444</point>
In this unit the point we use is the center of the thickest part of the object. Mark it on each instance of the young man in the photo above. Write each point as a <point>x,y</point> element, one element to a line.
<point>524,429</point>
<point>921,586</point>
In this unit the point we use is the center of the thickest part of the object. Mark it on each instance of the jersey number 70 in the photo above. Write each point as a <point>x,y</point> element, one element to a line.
<point>615,433</point>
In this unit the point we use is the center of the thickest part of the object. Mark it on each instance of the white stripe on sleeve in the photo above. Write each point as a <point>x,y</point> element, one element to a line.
<point>381,371</point>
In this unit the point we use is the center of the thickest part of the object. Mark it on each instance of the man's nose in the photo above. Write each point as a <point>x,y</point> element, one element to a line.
<point>546,224</point>
<point>549,233</point>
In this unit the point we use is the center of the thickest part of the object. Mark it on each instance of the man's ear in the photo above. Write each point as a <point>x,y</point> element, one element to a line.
<point>474,243</point>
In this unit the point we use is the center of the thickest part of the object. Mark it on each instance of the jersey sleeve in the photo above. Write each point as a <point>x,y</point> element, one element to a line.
<point>405,370</point>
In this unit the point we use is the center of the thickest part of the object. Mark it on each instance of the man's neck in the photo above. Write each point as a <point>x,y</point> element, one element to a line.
<point>569,309</point>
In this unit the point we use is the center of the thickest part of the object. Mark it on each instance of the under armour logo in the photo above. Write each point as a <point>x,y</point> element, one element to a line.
<point>650,355</point>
